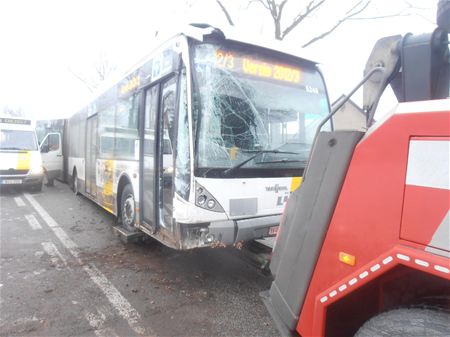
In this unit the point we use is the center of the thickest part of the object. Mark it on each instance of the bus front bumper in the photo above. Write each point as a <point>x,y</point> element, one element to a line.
<point>229,232</point>
<point>233,231</point>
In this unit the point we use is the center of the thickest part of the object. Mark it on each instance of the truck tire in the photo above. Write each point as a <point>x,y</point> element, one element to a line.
<point>443,14</point>
<point>127,209</point>
<point>407,323</point>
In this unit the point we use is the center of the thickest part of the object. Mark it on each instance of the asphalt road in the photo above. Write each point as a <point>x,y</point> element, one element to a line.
<point>63,272</point>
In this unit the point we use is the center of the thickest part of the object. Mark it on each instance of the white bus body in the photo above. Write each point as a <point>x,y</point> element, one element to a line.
<point>202,143</point>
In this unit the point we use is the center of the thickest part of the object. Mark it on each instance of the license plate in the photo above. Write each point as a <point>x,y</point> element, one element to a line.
<point>11,181</point>
<point>273,230</point>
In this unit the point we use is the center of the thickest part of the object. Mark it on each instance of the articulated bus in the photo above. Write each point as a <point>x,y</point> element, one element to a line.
<point>202,143</point>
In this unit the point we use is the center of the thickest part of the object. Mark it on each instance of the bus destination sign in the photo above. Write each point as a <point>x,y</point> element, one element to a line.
<point>256,67</point>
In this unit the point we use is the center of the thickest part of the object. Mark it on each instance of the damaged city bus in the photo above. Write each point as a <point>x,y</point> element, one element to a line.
<point>202,143</point>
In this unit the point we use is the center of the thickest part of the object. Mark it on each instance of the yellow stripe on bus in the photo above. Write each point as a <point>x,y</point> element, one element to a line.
<point>108,176</point>
<point>296,181</point>
<point>23,162</point>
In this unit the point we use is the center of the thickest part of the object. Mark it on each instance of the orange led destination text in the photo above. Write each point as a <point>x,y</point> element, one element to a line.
<point>258,68</point>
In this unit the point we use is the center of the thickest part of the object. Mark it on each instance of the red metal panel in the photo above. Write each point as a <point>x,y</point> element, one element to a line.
<point>424,210</point>
<point>367,219</point>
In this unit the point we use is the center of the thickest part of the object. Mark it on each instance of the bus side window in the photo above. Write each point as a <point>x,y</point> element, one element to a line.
<point>169,111</point>
<point>151,108</point>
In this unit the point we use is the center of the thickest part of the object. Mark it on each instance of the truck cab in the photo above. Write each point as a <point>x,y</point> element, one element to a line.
<point>363,246</point>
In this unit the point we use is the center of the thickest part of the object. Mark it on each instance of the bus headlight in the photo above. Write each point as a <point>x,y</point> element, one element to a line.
<point>201,200</point>
<point>205,200</point>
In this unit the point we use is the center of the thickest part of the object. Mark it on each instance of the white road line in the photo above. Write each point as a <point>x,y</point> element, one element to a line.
<point>97,322</point>
<point>119,302</point>
<point>19,201</point>
<point>55,256</point>
<point>116,298</point>
<point>32,221</point>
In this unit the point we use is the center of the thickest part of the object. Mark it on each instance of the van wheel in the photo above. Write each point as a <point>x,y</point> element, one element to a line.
<point>37,187</point>
<point>50,181</point>
<point>407,323</point>
<point>75,187</point>
<point>127,209</point>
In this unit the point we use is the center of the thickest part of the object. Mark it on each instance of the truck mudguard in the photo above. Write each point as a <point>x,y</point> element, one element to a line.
<point>299,244</point>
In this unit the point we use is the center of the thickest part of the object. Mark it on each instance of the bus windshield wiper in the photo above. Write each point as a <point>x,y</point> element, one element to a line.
<point>257,153</point>
<point>282,161</point>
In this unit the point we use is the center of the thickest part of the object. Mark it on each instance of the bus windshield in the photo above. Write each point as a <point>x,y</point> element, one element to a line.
<point>17,140</point>
<point>254,111</point>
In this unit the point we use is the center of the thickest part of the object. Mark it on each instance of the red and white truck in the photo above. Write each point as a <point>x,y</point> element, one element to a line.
<point>364,243</point>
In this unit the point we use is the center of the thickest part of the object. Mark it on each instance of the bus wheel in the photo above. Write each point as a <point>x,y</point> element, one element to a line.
<point>407,322</point>
<point>127,209</point>
<point>75,183</point>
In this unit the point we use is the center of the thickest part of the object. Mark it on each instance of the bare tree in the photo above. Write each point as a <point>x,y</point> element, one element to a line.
<point>102,70</point>
<point>278,8</point>
<point>13,111</point>
<point>225,12</point>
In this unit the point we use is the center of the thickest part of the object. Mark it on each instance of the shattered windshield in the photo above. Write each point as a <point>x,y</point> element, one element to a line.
<point>253,111</point>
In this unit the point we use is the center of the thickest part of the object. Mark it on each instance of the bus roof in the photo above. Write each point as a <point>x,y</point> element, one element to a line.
<point>201,31</point>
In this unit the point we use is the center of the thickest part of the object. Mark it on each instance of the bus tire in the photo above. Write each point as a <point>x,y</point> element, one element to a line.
<point>407,322</point>
<point>75,186</point>
<point>127,209</point>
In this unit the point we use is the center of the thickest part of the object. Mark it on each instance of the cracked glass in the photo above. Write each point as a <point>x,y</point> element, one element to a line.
<point>254,111</point>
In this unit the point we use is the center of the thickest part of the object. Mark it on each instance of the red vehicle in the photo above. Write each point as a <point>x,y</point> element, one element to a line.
<point>364,243</point>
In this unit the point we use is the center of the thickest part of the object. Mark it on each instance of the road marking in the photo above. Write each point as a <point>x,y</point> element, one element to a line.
<point>55,255</point>
<point>19,201</point>
<point>119,302</point>
<point>32,221</point>
<point>116,298</point>
<point>97,322</point>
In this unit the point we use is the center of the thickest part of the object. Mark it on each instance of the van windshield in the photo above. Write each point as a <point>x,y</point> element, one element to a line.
<point>17,140</point>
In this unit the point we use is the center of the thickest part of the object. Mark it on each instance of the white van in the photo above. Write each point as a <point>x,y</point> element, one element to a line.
<point>20,158</point>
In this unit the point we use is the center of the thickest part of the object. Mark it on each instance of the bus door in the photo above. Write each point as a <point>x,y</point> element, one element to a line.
<point>166,161</point>
<point>91,155</point>
<point>148,144</point>
<point>157,163</point>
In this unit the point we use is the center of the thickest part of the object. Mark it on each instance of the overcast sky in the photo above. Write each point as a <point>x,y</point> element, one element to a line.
<point>44,42</point>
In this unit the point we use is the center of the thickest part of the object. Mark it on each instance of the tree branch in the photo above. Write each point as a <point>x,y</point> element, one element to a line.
<point>351,13</point>
<point>225,11</point>
<point>266,6</point>
<point>310,8</point>
<point>380,17</point>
